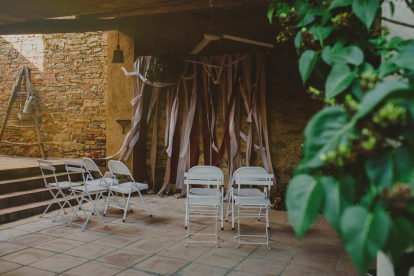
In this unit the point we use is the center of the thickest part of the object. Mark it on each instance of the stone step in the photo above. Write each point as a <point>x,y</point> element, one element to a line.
<point>17,173</point>
<point>27,210</point>
<point>33,182</point>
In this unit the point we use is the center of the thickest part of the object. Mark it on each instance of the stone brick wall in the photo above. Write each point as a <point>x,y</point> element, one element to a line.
<point>68,72</point>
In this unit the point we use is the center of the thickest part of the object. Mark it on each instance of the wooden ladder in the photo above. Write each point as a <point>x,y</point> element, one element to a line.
<point>24,74</point>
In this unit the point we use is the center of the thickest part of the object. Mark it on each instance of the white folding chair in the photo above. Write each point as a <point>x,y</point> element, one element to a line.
<point>91,167</point>
<point>248,201</point>
<point>57,188</point>
<point>204,202</point>
<point>119,168</point>
<point>87,191</point>
<point>251,192</point>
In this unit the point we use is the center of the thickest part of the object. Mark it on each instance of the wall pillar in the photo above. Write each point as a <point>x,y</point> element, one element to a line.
<point>119,90</point>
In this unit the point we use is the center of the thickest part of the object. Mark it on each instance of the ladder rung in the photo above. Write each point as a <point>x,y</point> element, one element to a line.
<point>16,143</point>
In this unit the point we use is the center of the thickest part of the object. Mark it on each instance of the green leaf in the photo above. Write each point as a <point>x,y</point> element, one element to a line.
<point>379,93</point>
<point>364,234</point>
<point>387,68</point>
<point>338,80</point>
<point>392,7</point>
<point>326,55</point>
<point>356,89</point>
<point>298,39</point>
<point>332,201</point>
<point>339,3</point>
<point>271,11</point>
<point>400,238</point>
<point>321,33</point>
<point>404,164</point>
<point>347,188</point>
<point>405,59</point>
<point>365,10</point>
<point>323,133</point>
<point>307,14</point>
<point>307,62</point>
<point>380,169</point>
<point>303,200</point>
<point>351,54</point>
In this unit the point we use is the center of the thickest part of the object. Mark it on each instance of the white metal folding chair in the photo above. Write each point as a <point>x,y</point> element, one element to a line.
<point>248,201</point>
<point>91,167</point>
<point>204,202</point>
<point>57,188</point>
<point>119,168</point>
<point>87,191</point>
<point>251,192</point>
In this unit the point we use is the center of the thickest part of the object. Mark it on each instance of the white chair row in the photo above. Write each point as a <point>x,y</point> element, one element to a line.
<point>208,202</point>
<point>90,189</point>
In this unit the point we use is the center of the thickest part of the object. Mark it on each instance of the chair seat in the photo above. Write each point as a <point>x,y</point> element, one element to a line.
<point>248,201</point>
<point>212,201</point>
<point>90,188</point>
<point>256,193</point>
<point>126,187</point>
<point>100,182</point>
<point>65,184</point>
<point>204,192</point>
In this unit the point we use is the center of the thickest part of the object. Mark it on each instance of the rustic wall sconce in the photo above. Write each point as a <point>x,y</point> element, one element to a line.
<point>123,123</point>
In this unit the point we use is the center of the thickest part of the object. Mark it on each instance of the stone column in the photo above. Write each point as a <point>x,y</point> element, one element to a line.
<point>119,89</point>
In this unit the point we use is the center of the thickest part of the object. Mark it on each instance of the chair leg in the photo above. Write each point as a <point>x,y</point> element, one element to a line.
<point>222,211</point>
<point>186,216</point>
<point>260,212</point>
<point>215,229</point>
<point>145,204</point>
<point>228,207</point>
<point>267,227</point>
<point>232,214</point>
<point>238,226</point>
<point>116,199</point>
<point>107,202</point>
<point>126,206</point>
<point>51,202</point>
<point>267,220</point>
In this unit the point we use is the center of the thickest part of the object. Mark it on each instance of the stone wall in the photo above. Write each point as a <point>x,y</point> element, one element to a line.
<point>69,76</point>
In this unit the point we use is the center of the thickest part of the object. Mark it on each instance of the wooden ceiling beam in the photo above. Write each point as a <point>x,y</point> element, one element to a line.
<point>49,26</point>
<point>12,12</point>
<point>178,7</point>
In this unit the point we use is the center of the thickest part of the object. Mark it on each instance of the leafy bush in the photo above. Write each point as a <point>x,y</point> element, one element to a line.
<point>359,149</point>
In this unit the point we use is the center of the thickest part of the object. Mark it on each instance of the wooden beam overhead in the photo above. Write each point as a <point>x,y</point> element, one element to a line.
<point>30,10</point>
<point>50,26</point>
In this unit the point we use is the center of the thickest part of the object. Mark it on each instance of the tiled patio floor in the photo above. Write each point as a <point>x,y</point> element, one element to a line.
<point>147,246</point>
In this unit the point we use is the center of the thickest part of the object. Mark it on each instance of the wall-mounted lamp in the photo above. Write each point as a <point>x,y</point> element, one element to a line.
<point>118,56</point>
<point>123,123</point>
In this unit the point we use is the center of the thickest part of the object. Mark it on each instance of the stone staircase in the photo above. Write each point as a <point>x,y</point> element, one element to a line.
<point>23,192</point>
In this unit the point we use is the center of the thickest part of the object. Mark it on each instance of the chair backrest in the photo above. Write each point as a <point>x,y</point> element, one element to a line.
<point>204,175</point>
<point>117,167</point>
<point>72,166</point>
<point>49,166</point>
<point>254,176</point>
<point>90,167</point>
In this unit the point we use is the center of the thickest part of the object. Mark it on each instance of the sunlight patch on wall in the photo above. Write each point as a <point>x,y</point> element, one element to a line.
<point>31,47</point>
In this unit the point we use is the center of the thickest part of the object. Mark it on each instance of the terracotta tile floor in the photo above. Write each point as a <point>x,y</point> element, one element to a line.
<point>148,246</point>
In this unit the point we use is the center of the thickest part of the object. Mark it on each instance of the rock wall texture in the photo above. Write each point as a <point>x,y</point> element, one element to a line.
<point>68,72</point>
